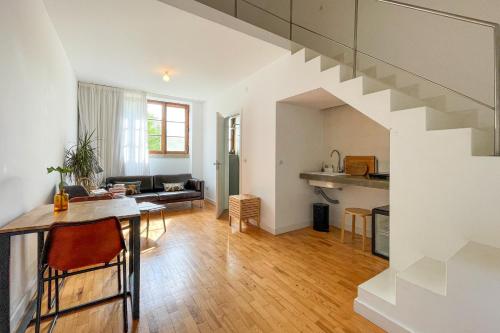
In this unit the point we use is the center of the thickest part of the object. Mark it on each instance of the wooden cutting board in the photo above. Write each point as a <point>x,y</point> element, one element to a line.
<point>353,165</point>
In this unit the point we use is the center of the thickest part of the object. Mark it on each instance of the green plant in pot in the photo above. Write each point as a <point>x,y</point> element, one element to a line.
<point>84,161</point>
<point>61,199</point>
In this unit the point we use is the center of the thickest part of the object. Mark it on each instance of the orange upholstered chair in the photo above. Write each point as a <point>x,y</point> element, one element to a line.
<point>80,247</point>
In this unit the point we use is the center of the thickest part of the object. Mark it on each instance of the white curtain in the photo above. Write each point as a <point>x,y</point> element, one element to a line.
<point>133,120</point>
<point>118,118</point>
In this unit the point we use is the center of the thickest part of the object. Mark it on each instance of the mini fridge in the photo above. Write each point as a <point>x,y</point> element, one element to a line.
<point>380,232</point>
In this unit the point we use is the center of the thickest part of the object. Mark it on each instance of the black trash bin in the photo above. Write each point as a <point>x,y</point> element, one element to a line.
<point>321,217</point>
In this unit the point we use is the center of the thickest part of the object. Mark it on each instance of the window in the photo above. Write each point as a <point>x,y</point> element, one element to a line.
<point>168,128</point>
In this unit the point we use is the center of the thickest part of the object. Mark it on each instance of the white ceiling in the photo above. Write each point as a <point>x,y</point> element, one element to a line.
<point>130,43</point>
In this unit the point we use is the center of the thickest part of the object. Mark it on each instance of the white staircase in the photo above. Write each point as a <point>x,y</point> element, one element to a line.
<point>442,279</point>
<point>460,295</point>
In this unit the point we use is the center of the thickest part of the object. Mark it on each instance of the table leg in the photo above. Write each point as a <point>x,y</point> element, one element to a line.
<point>163,218</point>
<point>4,284</point>
<point>147,227</point>
<point>135,264</point>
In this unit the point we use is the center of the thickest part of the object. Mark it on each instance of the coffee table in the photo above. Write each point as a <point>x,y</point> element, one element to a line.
<point>148,208</point>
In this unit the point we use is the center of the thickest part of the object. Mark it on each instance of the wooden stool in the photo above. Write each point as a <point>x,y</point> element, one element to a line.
<point>364,213</point>
<point>244,207</point>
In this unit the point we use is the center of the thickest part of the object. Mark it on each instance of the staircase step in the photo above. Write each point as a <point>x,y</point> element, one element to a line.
<point>315,63</point>
<point>476,259</point>
<point>371,85</point>
<point>382,286</point>
<point>389,80</point>
<point>400,101</point>
<point>370,71</point>
<point>482,142</point>
<point>439,120</point>
<point>310,55</point>
<point>426,273</point>
<point>295,47</point>
<point>327,63</point>
<point>376,301</point>
<point>411,90</point>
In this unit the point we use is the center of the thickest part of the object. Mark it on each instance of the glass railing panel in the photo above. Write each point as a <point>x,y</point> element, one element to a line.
<point>323,45</point>
<point>431,94</point>
<point>333,19</point>
<point>451,52</point>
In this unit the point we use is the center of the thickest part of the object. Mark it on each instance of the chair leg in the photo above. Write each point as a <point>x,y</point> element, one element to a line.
<point>229,220</point>
<point>125,312</point>
<point>353,227</point>
<point>57,290</point>
<point>49,290</point>
<point>39,296</point>
<point>118,260</point>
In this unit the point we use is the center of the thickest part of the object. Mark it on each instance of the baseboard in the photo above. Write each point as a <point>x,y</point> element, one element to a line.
<point>210,201</point>
<point>293,227</point>
<point>267,229</point>
<point>379,319</point>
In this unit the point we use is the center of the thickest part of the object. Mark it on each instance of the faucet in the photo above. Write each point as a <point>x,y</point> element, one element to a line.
<point>338,169</point>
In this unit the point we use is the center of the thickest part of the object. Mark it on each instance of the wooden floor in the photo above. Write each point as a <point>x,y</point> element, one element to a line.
<point>203,276</point>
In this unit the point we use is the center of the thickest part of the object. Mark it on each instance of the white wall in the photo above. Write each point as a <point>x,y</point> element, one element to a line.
<point>255,99</point>
<point>299,148</point>
<point>38,120</point>
<point>353,133</point>
<point>169,165</point>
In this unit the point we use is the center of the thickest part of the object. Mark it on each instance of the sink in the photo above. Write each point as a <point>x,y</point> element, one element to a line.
<point>324,183</point>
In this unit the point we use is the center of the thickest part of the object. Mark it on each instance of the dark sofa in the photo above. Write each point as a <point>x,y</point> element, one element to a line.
<point>152,188</point>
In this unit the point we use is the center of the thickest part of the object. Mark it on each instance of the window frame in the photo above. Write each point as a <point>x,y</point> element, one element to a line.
<point>164,134</point>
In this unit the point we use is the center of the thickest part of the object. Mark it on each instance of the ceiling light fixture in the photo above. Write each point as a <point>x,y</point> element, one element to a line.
<point>166,77</point>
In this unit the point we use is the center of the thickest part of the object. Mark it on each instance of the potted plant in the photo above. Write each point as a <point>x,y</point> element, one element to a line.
<point>83,161</point>
<point>61,198</point>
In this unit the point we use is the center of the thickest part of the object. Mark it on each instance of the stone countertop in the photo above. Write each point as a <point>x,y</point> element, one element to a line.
<point>347,180</point>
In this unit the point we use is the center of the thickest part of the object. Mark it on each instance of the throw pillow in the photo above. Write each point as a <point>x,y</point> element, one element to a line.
<point>132,187</point>
<point>173,187</point>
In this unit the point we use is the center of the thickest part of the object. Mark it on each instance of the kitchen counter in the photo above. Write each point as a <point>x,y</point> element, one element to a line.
<point>343,179</point>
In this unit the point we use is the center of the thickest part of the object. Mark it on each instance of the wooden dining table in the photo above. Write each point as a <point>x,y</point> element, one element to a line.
<point>39,221</point>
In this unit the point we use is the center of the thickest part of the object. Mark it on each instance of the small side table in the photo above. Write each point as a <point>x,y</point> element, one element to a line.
<point>244,207</point>
<point>148,208</point>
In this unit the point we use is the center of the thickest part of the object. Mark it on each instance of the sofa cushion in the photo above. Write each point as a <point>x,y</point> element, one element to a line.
<point>173,187</point>
<point>132,187</point>
<point>146,181</point>
<point>187,194</point>
<point>145,197</point>
<point>160,179</point>
<point>194,184</point>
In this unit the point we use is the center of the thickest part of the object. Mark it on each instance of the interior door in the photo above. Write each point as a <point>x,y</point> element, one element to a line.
<point>219,166</point>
